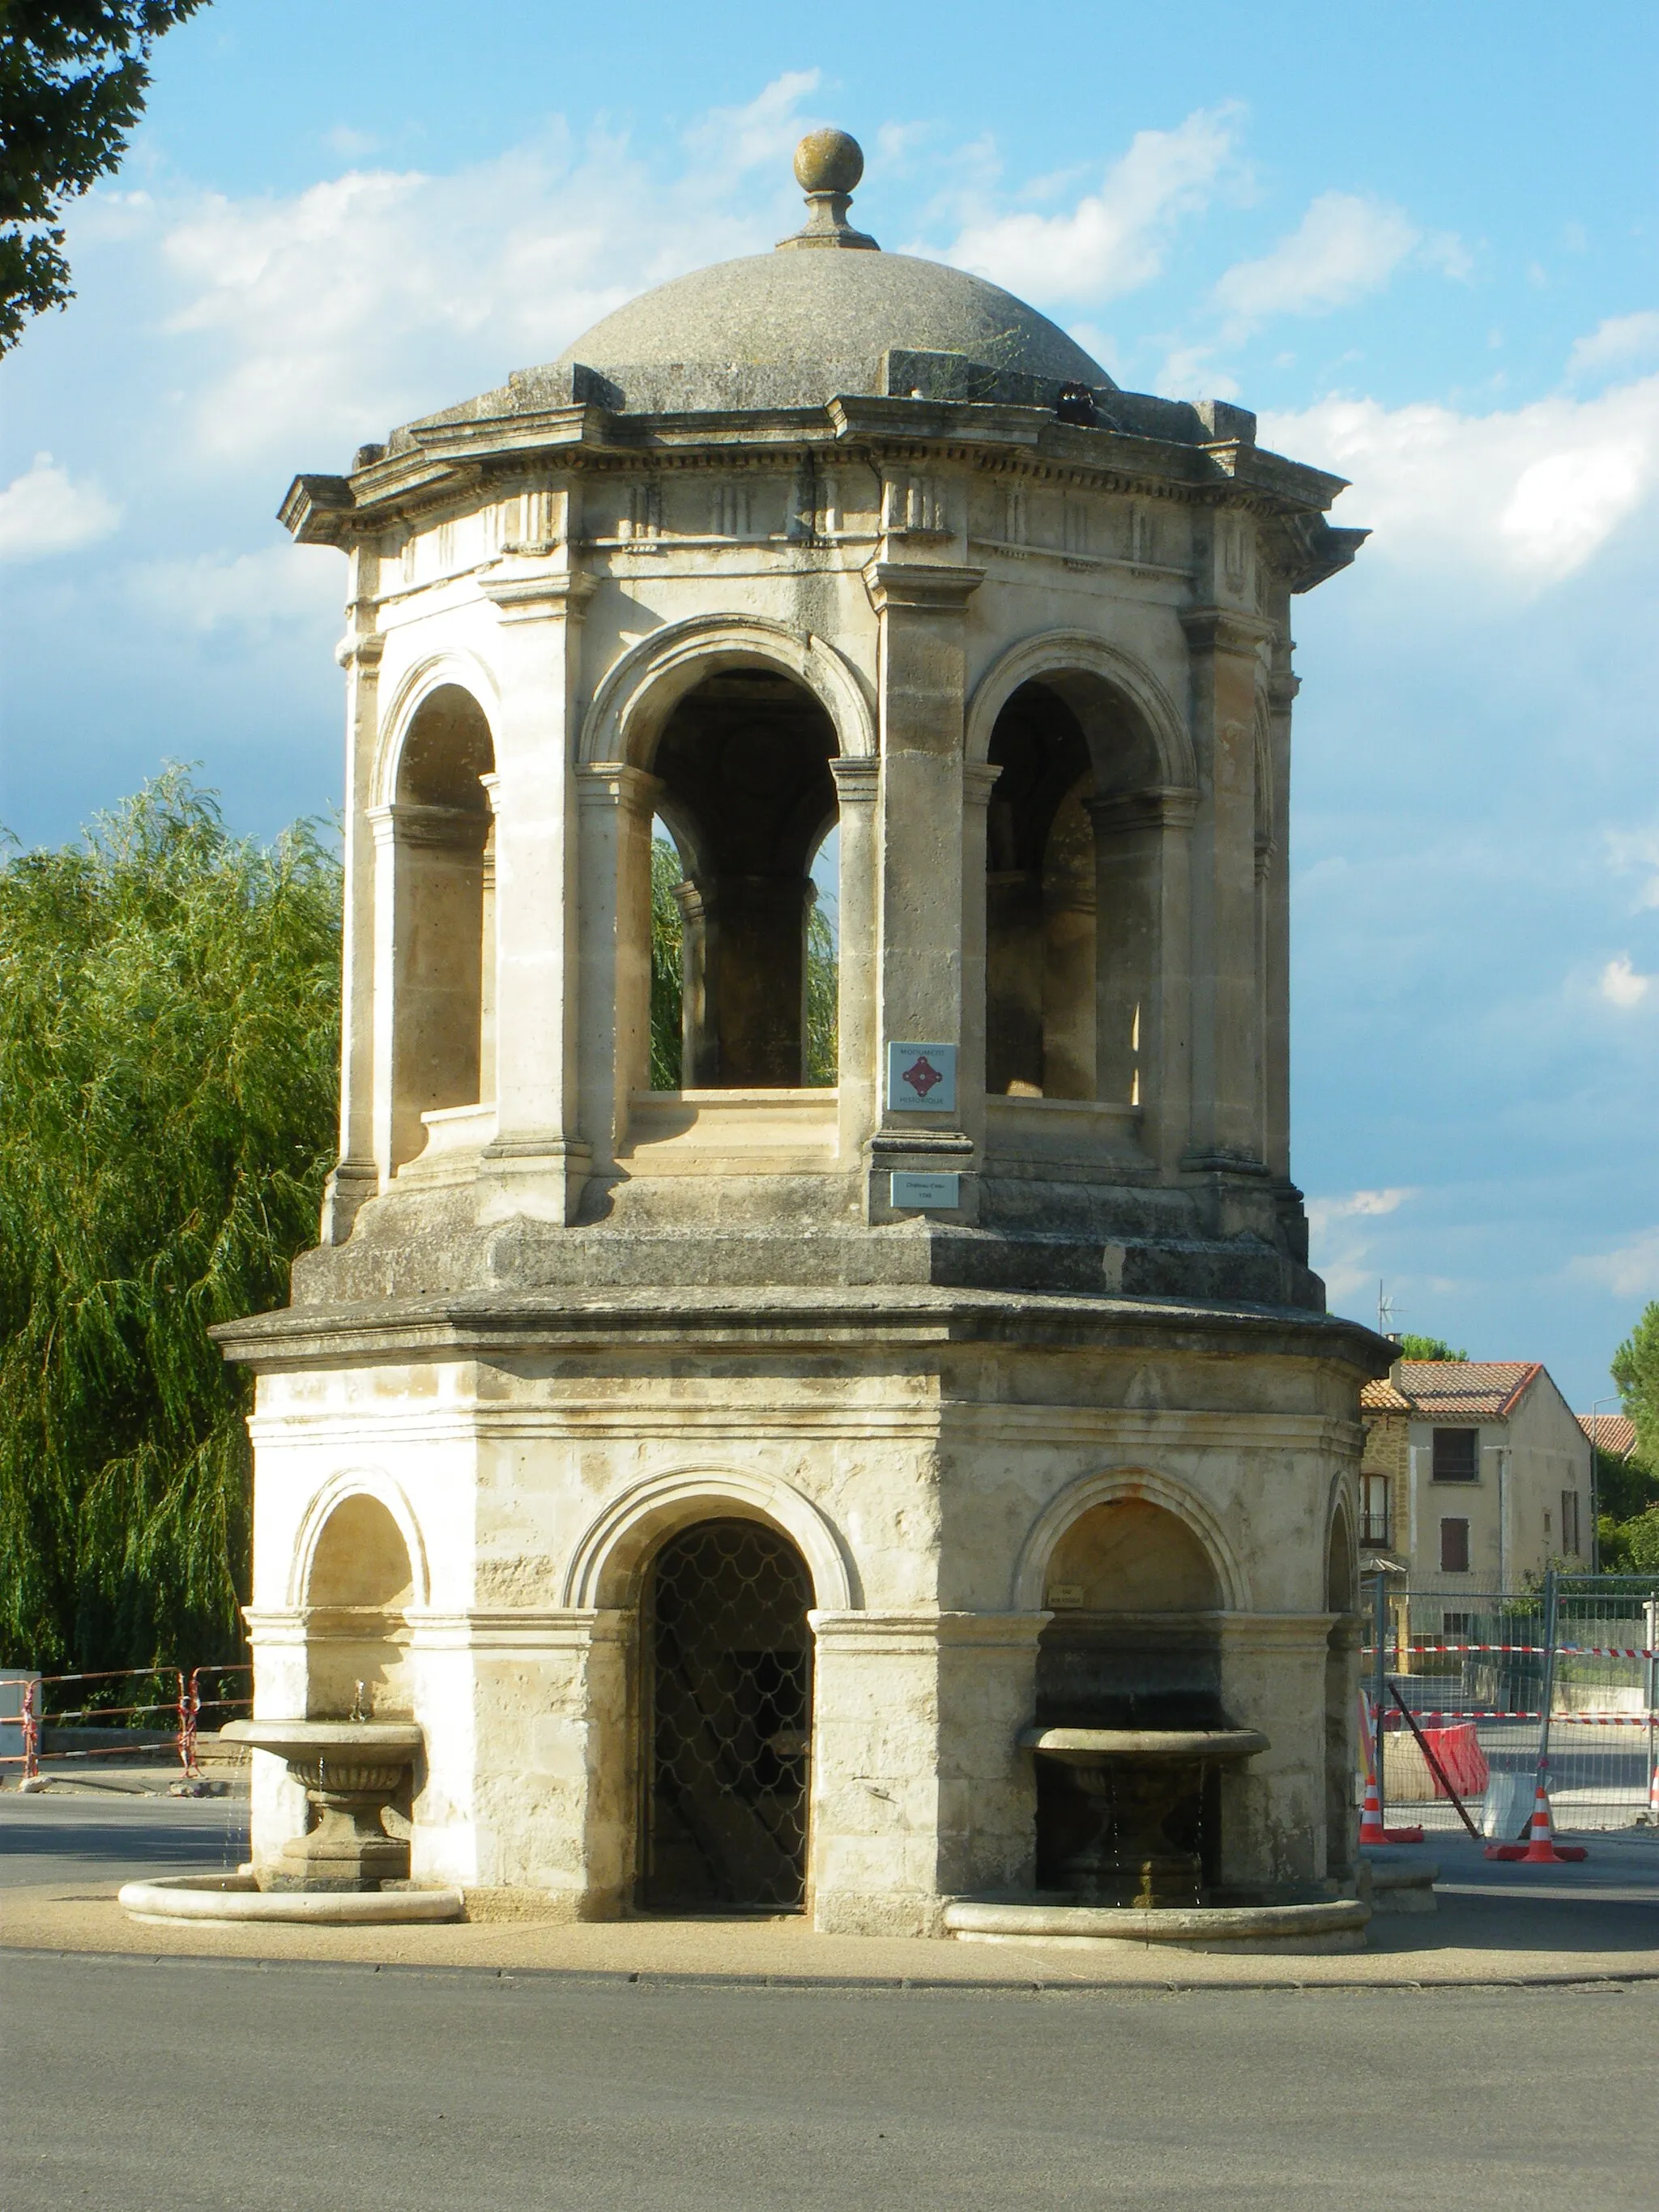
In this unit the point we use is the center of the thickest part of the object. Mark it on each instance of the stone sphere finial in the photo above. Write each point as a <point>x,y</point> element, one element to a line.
<point>828,165</point>
<point>829,161</point>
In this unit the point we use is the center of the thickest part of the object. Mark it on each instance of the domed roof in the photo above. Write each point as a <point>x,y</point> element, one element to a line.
<point>793,327</point>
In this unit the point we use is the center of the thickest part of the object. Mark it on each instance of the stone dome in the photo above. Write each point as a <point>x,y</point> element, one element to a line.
<point>793,328</point>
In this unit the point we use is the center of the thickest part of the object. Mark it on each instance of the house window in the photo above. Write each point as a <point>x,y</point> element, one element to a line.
<point>1454,1547</point>
<point>1457,1627</point>
<point>1569,1523</point>
<point>1455,1457</point>
<point>1376,1517</point>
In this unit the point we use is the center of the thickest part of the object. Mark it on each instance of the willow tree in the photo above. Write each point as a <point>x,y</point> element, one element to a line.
<point>169,1049</point>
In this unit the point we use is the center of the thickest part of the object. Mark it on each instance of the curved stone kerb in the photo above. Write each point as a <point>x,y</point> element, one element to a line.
<point>637,696</point>
<point>357,1482</point>
<point>467,672</point>
<point>1107,1488</point>
<point>1076,652</point>
<point>615,1543</point>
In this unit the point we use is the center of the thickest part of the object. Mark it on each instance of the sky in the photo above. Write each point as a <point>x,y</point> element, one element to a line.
<point>1421,243</point>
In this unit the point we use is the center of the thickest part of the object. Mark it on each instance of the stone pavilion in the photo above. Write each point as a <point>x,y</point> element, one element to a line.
<point>725,1475</point>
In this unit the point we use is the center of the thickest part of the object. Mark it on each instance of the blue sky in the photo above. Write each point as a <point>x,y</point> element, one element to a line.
<point>1421,243</point>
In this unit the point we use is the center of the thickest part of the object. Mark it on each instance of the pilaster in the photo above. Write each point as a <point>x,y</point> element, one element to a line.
<point>539,1162</point>
<point>922,609</point>
<point>1226,1134</point>
<point>920,1789</point>
<point>614,977</point>
<point>353,1177</point>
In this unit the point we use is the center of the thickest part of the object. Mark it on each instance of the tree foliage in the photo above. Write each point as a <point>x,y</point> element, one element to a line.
<point>168,1055</point>
<point>1635,1368</point>
<point>1428,1348</point>
<point>667,967</point>
<point>73,78</point>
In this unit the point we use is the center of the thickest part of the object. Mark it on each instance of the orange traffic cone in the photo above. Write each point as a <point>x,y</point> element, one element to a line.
<point>1372,1830</point>
<point>1541,1848</point>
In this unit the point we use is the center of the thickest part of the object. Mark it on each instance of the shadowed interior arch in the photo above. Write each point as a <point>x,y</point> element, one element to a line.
<point>743,763</point>
<point>443,950</point>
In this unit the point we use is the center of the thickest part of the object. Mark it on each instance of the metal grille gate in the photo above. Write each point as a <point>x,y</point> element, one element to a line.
<point>728,1677</point>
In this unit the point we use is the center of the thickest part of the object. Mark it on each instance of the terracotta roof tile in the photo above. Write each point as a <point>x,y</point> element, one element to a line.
<point>1453,1389</point>
<point>1610,1432</point>
<point>1383,1398</point>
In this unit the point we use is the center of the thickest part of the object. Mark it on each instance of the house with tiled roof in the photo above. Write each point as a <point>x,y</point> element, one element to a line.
<point>1476,1476</point>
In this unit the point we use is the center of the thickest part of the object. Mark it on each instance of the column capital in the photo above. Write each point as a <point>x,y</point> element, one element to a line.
<point>361,649</point>
<point>978,781</point>
<point>921,586</point>
<point>858,778</point>
<point>538,595</point>
<point>1158,806</point>
<point>404,824</point>
<point>1225,630</point>
<point>617,783</point>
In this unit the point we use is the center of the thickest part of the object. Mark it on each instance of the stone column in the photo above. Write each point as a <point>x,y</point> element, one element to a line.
<point>1227,1016</point>
<point>538,1162</point>
<point>920,1789</point>
<point>922,610</point>
<point>616,803</point>
<point>857,789</point>
<point>354,1176</point>
<point>1273,1807</point>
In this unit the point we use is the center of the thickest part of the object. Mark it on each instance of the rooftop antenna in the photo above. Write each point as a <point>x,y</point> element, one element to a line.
<point>1385,1311</point>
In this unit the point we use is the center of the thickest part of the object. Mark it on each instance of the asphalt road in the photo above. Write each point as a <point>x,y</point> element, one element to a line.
<point>72,1836</point>
<point>191,2083</point>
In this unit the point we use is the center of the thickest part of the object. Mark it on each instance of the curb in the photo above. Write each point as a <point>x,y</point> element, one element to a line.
<point>885,1984</point>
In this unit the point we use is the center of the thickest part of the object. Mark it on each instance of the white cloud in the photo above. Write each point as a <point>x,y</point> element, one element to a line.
<point>44,512</point>
<point>1620,985</point>
<point>1113,240</point>
<point>1322,1212</point>
<point>1630,1271</point>
<point>248,593</point>
<point>1620,342</point>
<point>1344,248</point>
<point>327,316</point>
<point>1531,493</point>
<point>1339,1246</point>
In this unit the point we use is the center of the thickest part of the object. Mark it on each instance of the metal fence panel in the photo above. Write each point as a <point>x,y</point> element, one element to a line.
<point>1471,1667</point>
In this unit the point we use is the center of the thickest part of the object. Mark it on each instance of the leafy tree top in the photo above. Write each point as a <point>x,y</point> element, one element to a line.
<point>73,78</point>
<point>1635,1368</point>
<point>1429,1348</point>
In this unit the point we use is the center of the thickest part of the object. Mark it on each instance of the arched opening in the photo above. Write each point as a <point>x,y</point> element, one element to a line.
<point>1341,1686</point>
<point>727,1701</point>
<point>443,935</point>
<point>360,1583</point>
<point>1134,1644</point>
<point>740,952</point>
<point>1071,907</point>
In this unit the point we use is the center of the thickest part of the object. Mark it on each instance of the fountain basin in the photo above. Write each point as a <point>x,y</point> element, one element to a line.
<point>1088,1747</point>
<point>220,1897</point>
<point>1143,1786</point>
<point>1333,1924</point>
<point>350,1770</point>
